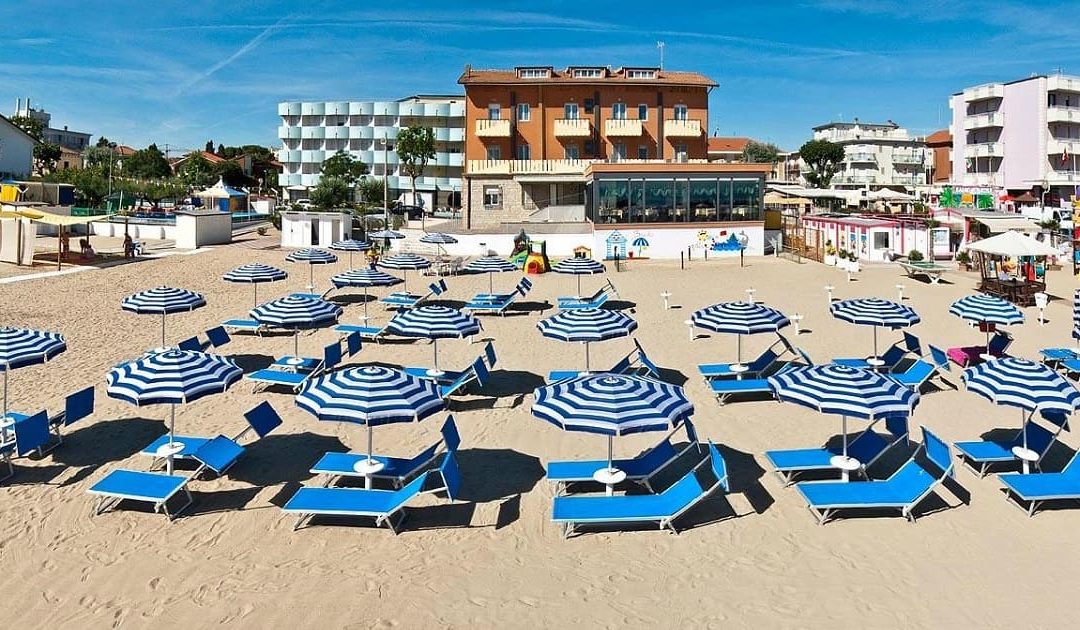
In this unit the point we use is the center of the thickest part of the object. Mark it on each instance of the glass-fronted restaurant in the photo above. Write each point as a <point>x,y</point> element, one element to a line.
<point>674,193</point>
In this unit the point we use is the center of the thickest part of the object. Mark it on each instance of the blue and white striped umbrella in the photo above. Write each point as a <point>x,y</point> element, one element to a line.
<point>162,301</point>
<point>384,234</point>
<point>587,325</point>
<point>364,278</point>
<point>739,318</point>
<point>351,245</point>
<point>612,404</point>
<point>404,262</point>
<point>172,377</point>
<point>845,391</point>
<point>987,309</point>
<point>370,395</point>
<point>438,238</point>
<point>490,265</point>
<point>255,274</point>
<point>874,312</point>
<point>578,267</point>
<point>312,256</point>
<point>20,347</point>
<point>1076,314</point>
<point>434,323</point>
<point>1031,386</point>
<point>296,313</point>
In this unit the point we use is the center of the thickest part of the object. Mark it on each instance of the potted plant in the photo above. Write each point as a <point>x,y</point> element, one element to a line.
<point>914,256</point>
<point>963,261</point>
<point>853,262</point>
<point>830,253</point>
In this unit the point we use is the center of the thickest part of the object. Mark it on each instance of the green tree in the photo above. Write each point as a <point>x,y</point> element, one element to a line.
<point>102,142</point>
<point>45,157</point>
<point>230,172</point>
<point>196,171</point>
<point>822,160</point>
<point>98,155</point>
<point>221,150</point>
<point>148,163</point>
<point>331,192</point>
<point>760,152</point>
<point>209,146</point>
<point>370,191</point>
<point>157,190</point>
<point>345,167</point>
<point>31,126</point>
<point>91,184</point>
<point>415,146</point>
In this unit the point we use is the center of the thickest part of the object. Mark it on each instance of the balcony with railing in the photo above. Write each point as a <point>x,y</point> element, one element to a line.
<point>908,180</point>
<point>289,133</point>
<point>907,157</point>
<point>844,178</point>
<point>1057,146</point>
<point>1059,113</point>
<point>1057,177</point>
<point>982,92</point>
<point>984,149</point>
<point>499,128</point>
<point>675,128</point>
<point>526,167</point>
<point>623,128</point>
<point>1062,83</point>
<point>573,128</point>
<point>864,157</point>
<point>986,120</point>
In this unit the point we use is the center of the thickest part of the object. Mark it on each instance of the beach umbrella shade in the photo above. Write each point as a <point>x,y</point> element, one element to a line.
<point>612,405</point>
<point>874,312</point>
<point>254,274</point>
<point>434,323</point>
<point>578,267</point>
<point>490,265</point>
<point>312,256</point>
<point>1076,315</point>
<point>162,301</point>
<point>386,234</point>
<point>350,245</point>
<point>21,347</point>
<point>847,392</point>
<point>404,262</point>
<point>439,239</point>
<point>370,395</point>
<point>296,313</point>
<point>586,326</point>
<point>364,278</point>
<point>739,318</point>
<point>172,377</point>
<point>1024,384</point>
<point>987,309</point>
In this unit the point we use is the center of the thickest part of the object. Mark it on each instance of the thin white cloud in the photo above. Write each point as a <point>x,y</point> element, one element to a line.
<point>32,41</point>
<point>251,45</point>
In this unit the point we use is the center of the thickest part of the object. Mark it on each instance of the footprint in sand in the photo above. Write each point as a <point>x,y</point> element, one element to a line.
<point>153,583</point>
<point>478,601</point>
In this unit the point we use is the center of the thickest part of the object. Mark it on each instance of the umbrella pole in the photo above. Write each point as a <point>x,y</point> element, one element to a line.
<point>296,343</point>
<point>586,357</point>
<point>311,277</point>
<point>435,346</point>
<point>163,329</point>
<point>875,342</point>
<point>609,488</point>
<point>491,285</point>
<point>738,351</point>
<point>368,479</point>
<point>172,434</point>
<point>579,285</point>
<point>405,280</point>
<point>365,304</point>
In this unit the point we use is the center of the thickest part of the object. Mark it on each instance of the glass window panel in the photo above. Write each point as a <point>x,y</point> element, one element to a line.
<point>703,199</point>
<point>613,200</point>
<point>659,199</point>
<point>745,200</point>
<point>723,200</point>
<point>681,204</point>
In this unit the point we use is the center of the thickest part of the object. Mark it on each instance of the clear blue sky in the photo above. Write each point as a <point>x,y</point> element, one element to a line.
<point>183,72</point>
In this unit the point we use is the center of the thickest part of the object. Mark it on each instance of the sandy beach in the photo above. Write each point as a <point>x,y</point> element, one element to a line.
<point>753,558</point>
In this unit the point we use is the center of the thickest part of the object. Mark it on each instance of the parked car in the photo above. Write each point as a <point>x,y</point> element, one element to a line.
<point>304,203</point>
<point>414,212</point>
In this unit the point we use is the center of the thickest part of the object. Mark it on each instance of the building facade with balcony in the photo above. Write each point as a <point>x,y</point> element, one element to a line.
<point>1018,136</point>
<point>876,155</point>
<point>531,133</point>
<point>311,132</point>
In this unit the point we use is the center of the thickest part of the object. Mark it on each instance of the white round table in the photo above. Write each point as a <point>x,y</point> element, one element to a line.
<point>168,452</point>
<point>1026,457</point>
<point>368,468</point>
<point>986,356</point>
<point>845,464</point>
<point>739,368</point>
<point>433,373</point>
<point>609,477</point>
<point>875,362</point>
<point>294,361</point>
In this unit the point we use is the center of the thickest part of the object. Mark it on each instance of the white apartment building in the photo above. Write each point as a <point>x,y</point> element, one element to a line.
<point>1018,136</point>
<point>311,132</point>
<point>876,155</point>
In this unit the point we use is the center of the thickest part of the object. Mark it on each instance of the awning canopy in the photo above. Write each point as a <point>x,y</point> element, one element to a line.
<point>998,225</point>
<point>51,219</point>
<point>1012,244</point>
<point>220,191</point>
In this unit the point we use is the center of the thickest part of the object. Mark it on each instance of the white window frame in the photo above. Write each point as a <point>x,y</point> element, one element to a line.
<point>643,108</point>
<point>618,111</point>
<point>681,152</point>
<point>588,73</point>
<point>680,112</point>
<point>524,112</point>
<point>641,74</point>
<point>494,111</point>
<point>571,107</point>
<point>534,73</point>
<point>491,196</point>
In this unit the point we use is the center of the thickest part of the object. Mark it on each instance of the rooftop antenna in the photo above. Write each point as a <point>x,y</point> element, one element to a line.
<point>660,46</point>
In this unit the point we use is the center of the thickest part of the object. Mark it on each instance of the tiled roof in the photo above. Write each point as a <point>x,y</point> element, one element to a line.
<point>942,136</point>
<point>727,145</point>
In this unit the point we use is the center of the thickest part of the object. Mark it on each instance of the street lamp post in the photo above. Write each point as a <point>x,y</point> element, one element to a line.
<point>386,190</point>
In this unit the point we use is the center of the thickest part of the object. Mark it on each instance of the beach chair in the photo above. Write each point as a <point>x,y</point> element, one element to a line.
<point>244,325</point>
<point>191,344</point>
<point>596,300</point>
<point>1034,489</point>
<point>662,508</point>
<point>931,270</point>
<point>397,470</point>
<point>903,491</point>
<point>922,370</point>
<point>867,448</point>
<point>980,455</point>
<point>970,355</point>
<point>403,299</point>
<point>262,419</point>
<point>295,378</point>
<point>759,365</point>
<point>725,389</point>
<point>217,337</point>
<point>76,407</point>
<point>892,356</point>
<point>636,363</point>
<point>31,434</point>
<point>498,304</point>
<point>365,332</point>
<point>477,373</point>
<point>387,507</point>
<point>312,296</point>
<point>449,376</point>
<point>353,343</point>
<point>640,469</point>
<point>1056,357</point>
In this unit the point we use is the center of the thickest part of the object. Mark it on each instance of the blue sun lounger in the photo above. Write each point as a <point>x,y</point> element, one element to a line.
<point>31,434</point>
<point>76,407</point>
<point>922,370</point>
<point>759,365</point>
<point>662,508</point>
<point>366,332</point>
<point>980,455</point>
<point>903,491</point>
<point>402,299</point>
<point>640,469</point>
<point>215,338</point>
<point>262,419</point>
<point>596,300</point>
<point>867,447</point>
<point>724,389</point>
<point>637,362</point>
<point>892,356</point>
<point>387,507</point>
<point>278,375</point>
<point>477,374</point>
<point>244,325</point>
<point>522,288</point>
<point>397,469</point>
<point>449,376</point>
<point>1054,356</point>
<point>1038,488</point>
<point>498,303</point>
